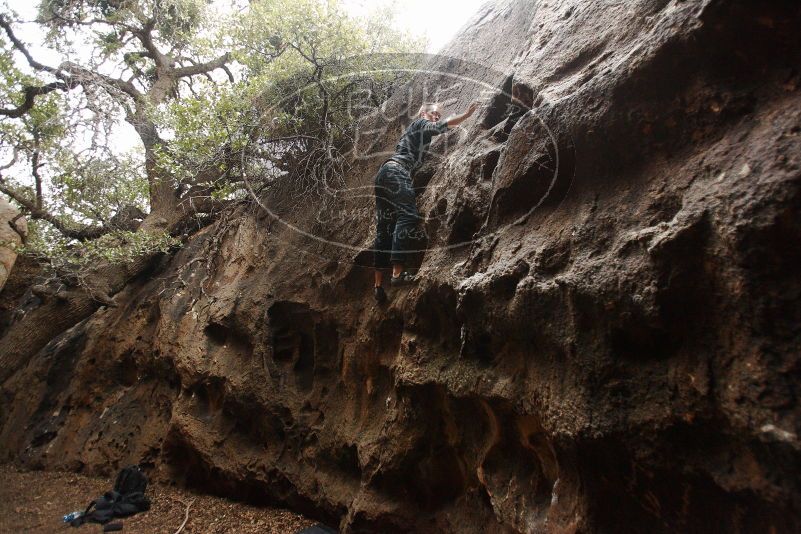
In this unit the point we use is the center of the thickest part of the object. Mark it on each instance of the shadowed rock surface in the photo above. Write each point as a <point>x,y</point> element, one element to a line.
<point>607,333</point>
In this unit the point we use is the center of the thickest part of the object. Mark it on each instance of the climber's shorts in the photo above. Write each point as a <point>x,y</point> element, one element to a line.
<point>396,215</point>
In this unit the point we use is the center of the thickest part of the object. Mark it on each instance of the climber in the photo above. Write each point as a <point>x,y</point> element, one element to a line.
<point>396,212</point>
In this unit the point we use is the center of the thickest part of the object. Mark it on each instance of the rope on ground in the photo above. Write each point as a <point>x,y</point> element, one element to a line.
<point>186,514</point>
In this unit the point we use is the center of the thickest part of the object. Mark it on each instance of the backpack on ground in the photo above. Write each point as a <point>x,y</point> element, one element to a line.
<point>126,499</point>
<point>131,480</point>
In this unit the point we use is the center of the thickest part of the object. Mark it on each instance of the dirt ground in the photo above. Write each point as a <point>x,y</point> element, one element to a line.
<point>36,502</point>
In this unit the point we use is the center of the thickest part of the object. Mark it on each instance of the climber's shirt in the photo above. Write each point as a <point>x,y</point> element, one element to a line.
<point>412,146</point>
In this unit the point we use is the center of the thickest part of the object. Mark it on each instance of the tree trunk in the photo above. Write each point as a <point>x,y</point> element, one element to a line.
<point>26,337</point>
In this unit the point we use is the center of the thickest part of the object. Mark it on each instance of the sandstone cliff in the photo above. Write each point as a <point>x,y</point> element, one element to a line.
<point>606,338</point>
<point>12,229</point>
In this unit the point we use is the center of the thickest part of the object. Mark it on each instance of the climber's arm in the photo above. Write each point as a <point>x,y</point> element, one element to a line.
<point>457,120</point>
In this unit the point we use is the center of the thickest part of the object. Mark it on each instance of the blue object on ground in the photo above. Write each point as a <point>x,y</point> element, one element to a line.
<point>74,515</point>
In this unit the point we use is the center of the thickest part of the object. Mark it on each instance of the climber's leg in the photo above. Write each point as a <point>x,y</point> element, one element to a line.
<point>386,217</point>
<point>406,228</point>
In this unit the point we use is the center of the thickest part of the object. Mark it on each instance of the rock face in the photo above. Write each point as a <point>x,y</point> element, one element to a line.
<point>11,231</point>
<point>623,358</point>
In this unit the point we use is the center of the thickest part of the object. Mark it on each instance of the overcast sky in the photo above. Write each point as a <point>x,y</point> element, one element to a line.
<point>438,19</point>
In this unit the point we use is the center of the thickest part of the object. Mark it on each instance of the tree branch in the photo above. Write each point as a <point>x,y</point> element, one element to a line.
<point>146,38</point>
<point>21,47</point>
<point>186,514</point>
<point>82,234</point>
<point>193,62</point>
<point>73,71</point>
<point>77,22</point>
<point>13,224</point>
<point>35,169</point>
<point>14,157</point>
<point>228,72</point>
<point>202,68</point>
<point>32,92</point>
<point>126,57</point>
<point>79,72</point>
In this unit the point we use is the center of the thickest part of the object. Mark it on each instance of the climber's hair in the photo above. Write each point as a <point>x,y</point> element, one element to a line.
<point>428,106</point>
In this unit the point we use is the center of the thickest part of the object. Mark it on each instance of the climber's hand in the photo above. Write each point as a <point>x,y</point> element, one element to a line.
<point>455,121</point>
